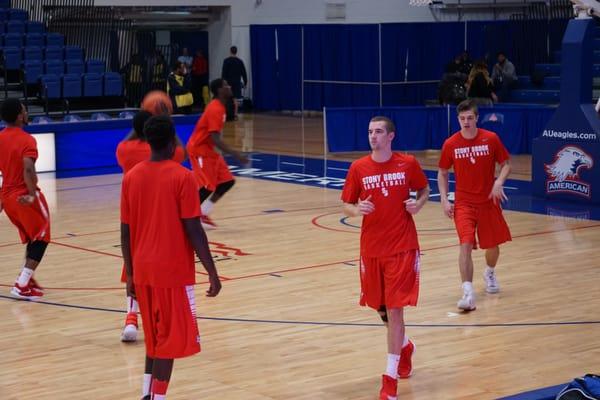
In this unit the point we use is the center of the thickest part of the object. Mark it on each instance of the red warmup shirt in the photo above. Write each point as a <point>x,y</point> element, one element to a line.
<point>389,229</point>
<point>15,144</point>
<point>474,162</point>
<point>132,152</point>
<point>155,197</point>
<point>212,120</point>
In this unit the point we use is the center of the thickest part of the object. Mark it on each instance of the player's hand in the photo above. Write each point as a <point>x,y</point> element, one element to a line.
<point>26,199</point>
<point>130,288</point>
<point>448,208</point>
<point>215,286</point>
<point>365,207</point>
<point>412,206</point>
<point>497,194</point>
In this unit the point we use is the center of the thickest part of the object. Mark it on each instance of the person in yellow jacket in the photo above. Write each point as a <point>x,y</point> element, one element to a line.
<point>179,86</point>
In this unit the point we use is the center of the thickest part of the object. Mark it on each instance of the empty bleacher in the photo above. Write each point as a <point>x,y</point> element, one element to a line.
<point>39,63</point>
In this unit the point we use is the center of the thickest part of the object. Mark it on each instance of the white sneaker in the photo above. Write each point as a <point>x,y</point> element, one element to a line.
<point>467,303</point>
<point>129,333</point>
<point>491,283</point>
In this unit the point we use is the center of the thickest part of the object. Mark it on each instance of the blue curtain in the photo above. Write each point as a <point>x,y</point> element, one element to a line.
<point>417,52</point>
<point>341,53</point>
<point>276,67</point>
<point>410,51</point>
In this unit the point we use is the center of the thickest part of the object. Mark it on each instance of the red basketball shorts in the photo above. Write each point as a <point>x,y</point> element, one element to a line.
<point>390,281</point>
<point>169,321</point>
<point>210,170</point>
<point>485,220</point>
<point>32,221</point>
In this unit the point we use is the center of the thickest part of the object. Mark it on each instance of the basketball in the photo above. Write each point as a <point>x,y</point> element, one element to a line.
<point>157,102</point>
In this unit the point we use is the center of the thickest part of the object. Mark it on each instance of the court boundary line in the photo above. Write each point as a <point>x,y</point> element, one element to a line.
<point>323,323</point>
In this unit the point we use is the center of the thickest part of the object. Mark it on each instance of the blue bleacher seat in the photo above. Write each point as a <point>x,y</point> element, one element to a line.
<point>50,86</point>
<point>15,27</point>
<point>74,66</point>
<point>54,53</point>
<point>56,67</point>
<point>55,39</point>
<point>32,53</point>
<point>100,117</point>
<point>72,118</point>
<point>16,14</point>
<point>92,85</point>
<point>71,85</point>
<point>126,114</point>
<point>113,84</point>
<point>3,14</point>
<point>95,66</point>
<point>12,58</point>
<point>4,3</point>
<point>73,53</point>
<point>32,70</point>
<point>41,120</point>
<point>13,40</point>
<point>35,27</point>
<point>2,27</point>
<point>35,39</point>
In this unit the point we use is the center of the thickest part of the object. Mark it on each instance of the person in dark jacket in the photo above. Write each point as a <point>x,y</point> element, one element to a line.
<point>234,72</point>
<point>179,86</point>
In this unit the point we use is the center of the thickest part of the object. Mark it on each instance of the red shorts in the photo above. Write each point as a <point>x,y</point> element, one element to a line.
<point>169,320</point>
<point>32,221</point>
<point>486,219</point>
<point>210,170</point>
<point>390,281</point>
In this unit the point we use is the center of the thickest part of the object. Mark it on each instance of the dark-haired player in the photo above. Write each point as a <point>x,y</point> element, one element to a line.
<point>20,197</point>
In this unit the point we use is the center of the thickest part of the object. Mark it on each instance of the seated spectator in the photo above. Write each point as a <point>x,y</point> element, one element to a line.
<point>504,77</point>
<point>479,85</point>
<point>179,86</point>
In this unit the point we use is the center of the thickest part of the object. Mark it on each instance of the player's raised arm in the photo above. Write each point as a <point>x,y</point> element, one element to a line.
<point>199,241</point>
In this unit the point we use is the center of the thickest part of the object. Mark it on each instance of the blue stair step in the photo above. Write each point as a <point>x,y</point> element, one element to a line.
<point>535,96</point>
<point>554,69</point>
<point>556,57</point>
<point>550,83</point>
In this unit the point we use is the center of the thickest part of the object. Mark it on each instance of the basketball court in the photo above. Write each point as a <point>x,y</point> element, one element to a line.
<point>287,324</point>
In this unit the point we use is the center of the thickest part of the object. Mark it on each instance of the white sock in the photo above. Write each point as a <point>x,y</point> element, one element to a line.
<point>392,365</point>
<point>206,207</point>
<point>467,287</point>
<point>24,277</point>
<point>132,305</point>
<point>489,270</point>
<point>405,341</point>
<point>146,381</point>
<point>158,397</point>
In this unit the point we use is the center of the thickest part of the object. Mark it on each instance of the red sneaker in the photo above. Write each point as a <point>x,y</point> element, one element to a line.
<point>130,330</point>
<point>26,293</point>
<point>405,366</point>
<point>34,285</point>
<point>207,223</point>
<point>389,388</point>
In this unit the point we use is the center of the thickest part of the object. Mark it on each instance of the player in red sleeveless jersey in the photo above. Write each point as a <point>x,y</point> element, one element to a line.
<point>211,170</point>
